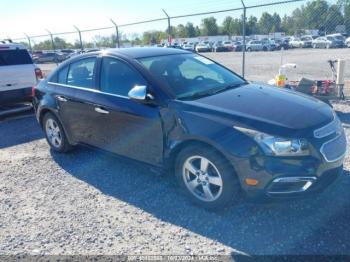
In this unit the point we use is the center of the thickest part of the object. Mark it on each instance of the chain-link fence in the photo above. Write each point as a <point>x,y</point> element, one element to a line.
<point>305,33</point>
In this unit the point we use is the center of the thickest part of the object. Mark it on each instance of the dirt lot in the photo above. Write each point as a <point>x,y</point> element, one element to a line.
<point>88,202</point>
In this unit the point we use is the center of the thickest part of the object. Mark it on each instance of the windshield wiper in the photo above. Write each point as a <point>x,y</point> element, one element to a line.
<point>212,91</point>
<point>227,87</point>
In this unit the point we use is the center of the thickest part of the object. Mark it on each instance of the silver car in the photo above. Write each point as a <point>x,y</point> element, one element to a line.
<point>254,45</point>
<point>327,42</point>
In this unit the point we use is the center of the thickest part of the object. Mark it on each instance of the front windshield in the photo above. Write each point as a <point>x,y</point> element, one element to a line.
<point>191,76</point>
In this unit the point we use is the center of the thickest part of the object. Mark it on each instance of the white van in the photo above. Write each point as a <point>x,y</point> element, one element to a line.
<point>18,73</point>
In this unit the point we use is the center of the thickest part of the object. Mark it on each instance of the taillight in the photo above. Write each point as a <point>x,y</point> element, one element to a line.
<point>33,91</point>
<point>38,74</point>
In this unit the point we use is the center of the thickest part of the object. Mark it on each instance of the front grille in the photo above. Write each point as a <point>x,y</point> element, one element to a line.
<point>334,149</point>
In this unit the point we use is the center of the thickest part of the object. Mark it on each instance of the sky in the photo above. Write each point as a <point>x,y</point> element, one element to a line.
<point>34,17</point>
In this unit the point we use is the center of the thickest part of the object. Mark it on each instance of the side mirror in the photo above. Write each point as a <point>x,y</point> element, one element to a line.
<point>140,94</point>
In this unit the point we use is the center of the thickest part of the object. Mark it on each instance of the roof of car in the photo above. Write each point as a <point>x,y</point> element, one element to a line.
<point>140,52</point>
<point>11,46</point>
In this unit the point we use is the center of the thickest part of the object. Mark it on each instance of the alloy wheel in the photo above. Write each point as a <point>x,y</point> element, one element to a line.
<point>202,178</point>
<point>53,132</point>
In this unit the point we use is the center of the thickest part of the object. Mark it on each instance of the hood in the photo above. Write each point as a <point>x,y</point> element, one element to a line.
<point>267,109</point>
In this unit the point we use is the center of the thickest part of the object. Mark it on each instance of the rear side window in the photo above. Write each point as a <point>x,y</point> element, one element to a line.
<point>119,78</point>
<point>15,57</point>
<point>81,73</point>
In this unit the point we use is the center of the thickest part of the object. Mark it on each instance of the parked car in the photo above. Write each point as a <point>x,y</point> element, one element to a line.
<point>268,45</point>
<point>188,46</point>
<point>177,111</point>
<point>174,45</point>
<point>347,42</point>
<point>338,37</point>
<point>281,44</point>
<point>219,47</point>
<point>327,42</point>
<point>303,42</point>
<point>65,53</point>
<point>36,54</point>
<point>237,46</point>
<point>228,45</point>
<point>255,45</point>
<point>203,47</point>
<point>49,57</point>
<point>76,52</point>
<point>17,74</point>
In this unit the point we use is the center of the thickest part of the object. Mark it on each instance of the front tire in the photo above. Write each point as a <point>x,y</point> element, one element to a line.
<point>206,177</point>
<point>55,134</point>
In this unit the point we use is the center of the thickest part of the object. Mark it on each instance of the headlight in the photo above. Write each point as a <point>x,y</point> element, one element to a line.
<point>277,146</point>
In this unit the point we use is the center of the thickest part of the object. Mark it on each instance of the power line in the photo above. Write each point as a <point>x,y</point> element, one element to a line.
<point>174,17</point>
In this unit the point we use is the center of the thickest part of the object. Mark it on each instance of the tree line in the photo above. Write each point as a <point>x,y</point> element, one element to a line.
<point>315,15</point>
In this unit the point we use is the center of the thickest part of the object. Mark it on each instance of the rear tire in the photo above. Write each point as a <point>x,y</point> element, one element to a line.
<point>206,177</point>
<point>55,134</point>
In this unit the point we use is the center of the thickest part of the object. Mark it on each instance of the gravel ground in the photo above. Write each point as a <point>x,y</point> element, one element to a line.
<point>91,203</point>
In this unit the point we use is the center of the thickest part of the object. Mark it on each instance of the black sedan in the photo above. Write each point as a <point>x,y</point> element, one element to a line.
<point>281,44</point>
<point>181,112</point>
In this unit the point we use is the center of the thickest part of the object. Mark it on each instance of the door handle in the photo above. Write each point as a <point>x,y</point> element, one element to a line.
<point>62,99</point>
<point>101,110</point>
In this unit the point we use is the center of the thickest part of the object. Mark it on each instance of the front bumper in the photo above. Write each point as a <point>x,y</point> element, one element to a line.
<point>287,177</point>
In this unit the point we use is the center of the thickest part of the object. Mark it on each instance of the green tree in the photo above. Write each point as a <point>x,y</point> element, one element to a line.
<point>334,18</point>
<point>315,14</point>
<point>209,27</point>
<point>198,31</point>
<point>190,30</point>
<point>252,26</point>
<point>181,31</point>
<point>226,26</point>
<point>266,23</point>
<point>276,23</point>
<point>236,27</point>
<point>103,41</point>
<point>344,6</point>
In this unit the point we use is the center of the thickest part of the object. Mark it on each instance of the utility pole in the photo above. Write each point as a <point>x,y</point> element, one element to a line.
<point>52,42</point>
<point>116,32</point>
<point>169,27</point>
<point>244,36</point>
<point>30,43</point>
<point>80,40</point>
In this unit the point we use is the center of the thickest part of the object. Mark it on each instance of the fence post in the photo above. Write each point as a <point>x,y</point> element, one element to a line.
<point>80,40</point>
<point>30,43</point>
<point>244,36</point>
<point>117,32</point>
<point>169,27</point>
<point>52,42</point>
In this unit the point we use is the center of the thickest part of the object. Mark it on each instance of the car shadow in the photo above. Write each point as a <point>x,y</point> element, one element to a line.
<point>267,228</point>
<point>18,130</point>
